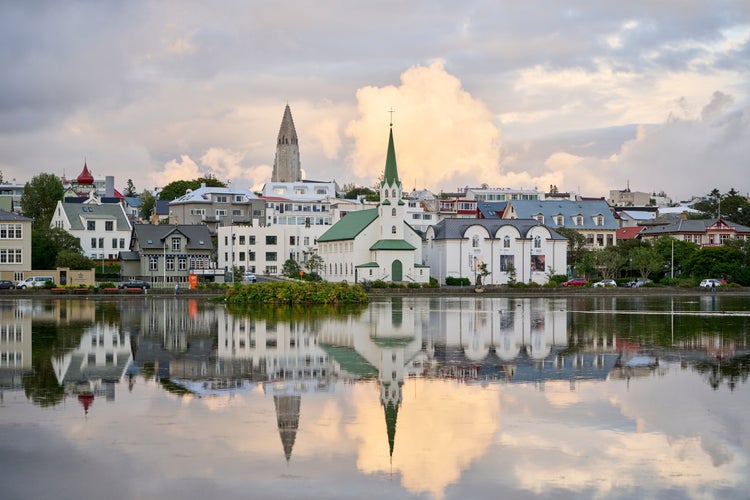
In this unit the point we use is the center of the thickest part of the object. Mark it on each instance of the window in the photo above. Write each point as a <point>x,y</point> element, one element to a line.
<point>242,256</point>
<point>578,220</point>
<point>506,263</point>
<point>238,198</point>
<point>93,242</point>
<point>251,256</point>
<point>10,232</point>
<point>506,242</point>
<point>270,256</point>
<point>270,240</point>
<point>393,229</point>
<point>10,256</point>
<point>292,240</point>
<point>475,241</point>
<point>122,242</point>
<point>537,242</point>
<point>221,213</point>
<point>539,218</point>
<point>236,213</point>
<point>306,241</point>
<point>598,220</point>
<point>251,240</point>
<point>197,211</point>
<point>176,244</point>
<point>170,263</point>
<point>221,199</point>
<point>393,212</point>
<point>109,225</point>
<point>91,225</point>
<point>559,220</point>
<point>101,242</point>
<point>153,262</point>
<point>114,243</point>
<point>182,263</point>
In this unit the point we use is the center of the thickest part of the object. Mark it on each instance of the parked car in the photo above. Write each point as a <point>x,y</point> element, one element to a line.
<point>248,276</point>
<point>576,282</point>
<point>134,284</point>
<point>710,283</point>
<point>34,281</point>
<point>605,283</point>
<point>638,283</point>
<point>6,285</point>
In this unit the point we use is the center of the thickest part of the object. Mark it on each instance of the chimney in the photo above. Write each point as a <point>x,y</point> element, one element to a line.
<point>683,216</point>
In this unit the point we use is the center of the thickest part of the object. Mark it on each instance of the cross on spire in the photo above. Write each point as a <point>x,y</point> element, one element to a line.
<point>391,111</point>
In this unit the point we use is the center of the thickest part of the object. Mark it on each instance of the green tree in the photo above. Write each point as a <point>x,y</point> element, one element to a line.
<point>47,242</point>
<point>314,263</point>
<point>609,262</point>
<point>148,203</point>
<point>73,260</point>
<point>290,269</point>
<point>40,197</point>
<point>683,250</point>
<point>356,191</point>
<point>176,189</point>
<point>130,189</point>
<point>715,262</point>
<point>482,272</point>
<point>646,260</point>
<point>576,246</point>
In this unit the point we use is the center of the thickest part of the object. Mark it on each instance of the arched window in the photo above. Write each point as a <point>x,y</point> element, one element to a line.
<point>537,242</point>
<point>393,194</point>
<point>506,242</point>
<point>393,229</point>
<point>386,193</point>
<point>393,212</point>
<point>475,241</point>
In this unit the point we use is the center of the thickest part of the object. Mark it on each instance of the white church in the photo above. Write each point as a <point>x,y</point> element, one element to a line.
<point>375,244</point>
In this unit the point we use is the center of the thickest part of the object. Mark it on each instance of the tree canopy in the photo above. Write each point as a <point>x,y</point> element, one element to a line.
<point>176,189</point>
<point>47,243</point>
<point>148,203</point>
<point>40,197</point>
<point>130,189</point>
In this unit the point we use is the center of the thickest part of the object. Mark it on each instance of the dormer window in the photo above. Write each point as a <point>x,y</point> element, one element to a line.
<point>560,220</point>
<point>578,220</point>
<point>598,220</point>
<point>539,218</point>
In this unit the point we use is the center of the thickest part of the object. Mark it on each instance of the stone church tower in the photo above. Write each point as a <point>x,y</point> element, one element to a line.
<point>286,165</point>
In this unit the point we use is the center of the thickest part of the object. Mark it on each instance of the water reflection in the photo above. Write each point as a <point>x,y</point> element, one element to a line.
<point>419,389</point>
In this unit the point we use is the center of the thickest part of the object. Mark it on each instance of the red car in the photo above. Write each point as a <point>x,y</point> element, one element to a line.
<point>576,282</point>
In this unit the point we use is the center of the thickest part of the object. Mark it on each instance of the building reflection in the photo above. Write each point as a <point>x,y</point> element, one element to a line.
<point>15,343</point>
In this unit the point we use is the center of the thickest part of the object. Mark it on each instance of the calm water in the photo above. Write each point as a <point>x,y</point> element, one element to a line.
<point>577,397</point>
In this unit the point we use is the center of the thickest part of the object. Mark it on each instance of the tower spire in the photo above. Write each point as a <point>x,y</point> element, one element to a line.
<point>286,165</point>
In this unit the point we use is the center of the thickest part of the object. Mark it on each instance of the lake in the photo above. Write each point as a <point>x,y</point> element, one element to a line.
<point>567,396</point>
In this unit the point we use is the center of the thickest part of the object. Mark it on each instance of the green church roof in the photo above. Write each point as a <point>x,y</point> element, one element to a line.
<point>392,245</point>
<point>350,225</point>
<point>390,176</point>
<point>351,361</point>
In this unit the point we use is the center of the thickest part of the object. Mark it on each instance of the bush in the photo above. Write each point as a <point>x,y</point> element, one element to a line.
<point>413,285</point>
<point>557,279</point>
<point>296,292</point>
<point>433,283</point>
<point>379,284</point>
<point>451,281</point>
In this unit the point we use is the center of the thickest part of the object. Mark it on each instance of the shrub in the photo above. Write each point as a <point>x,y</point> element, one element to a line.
<point>413,285</point>
<point>452,281</point>
<point>557,279</point>
<point>379,284</point>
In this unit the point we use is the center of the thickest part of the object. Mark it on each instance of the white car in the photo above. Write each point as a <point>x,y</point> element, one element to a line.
<point>248,276</point>
<point>605,283</point>
<point>710,283</point>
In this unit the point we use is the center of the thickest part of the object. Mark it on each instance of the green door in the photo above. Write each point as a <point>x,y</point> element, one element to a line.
<point>397,273</point>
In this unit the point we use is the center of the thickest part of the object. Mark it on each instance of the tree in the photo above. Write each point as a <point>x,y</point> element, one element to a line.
<point>683,250</point>
<point>130,189</point>
<point>645,260</point>
<point>715,262</point>
<point>175,189</point>
<point>290,269</point>
<point>576,246</point>
<point>314,263</point>
<point>609,262</point>
<point>40,197</point>
<point>482,272</point>
<point>148,203</point>
<point>366,192</point>
<point>73,260</point>
<point>47,243</point>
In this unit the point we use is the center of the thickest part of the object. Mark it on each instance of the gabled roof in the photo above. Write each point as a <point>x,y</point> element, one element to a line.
<point>453,228</point>
<point>13,217</point>
<point>492,209</point>
<point>392,245</point>
<point>76,213</point>
<point>628,233</point>
<point>350,225</point>
<point>692,226</point>
<point>527,209</point>
<point>204,195</point>
<point>153,236</point>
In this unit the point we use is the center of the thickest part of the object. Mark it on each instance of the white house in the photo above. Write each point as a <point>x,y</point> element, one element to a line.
<point>15,245</point>
<point>521,250</point>
<point>376,244</point>
<point>102,228</point>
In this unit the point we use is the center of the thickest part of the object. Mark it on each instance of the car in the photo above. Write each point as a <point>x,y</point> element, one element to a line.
<point>34,281</point>
<point>638,283</point>
<point>710,283</point>
<point>143,285</point>
<point>248,276</point>
<point>6,285</point>
<point>605,283</point>
<point>576,282</point>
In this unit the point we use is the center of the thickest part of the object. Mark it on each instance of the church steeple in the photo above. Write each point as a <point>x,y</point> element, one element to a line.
<point>390,175</point>
<point>286,165</point>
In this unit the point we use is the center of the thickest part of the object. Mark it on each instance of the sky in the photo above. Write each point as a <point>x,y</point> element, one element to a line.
<point>586,96</point>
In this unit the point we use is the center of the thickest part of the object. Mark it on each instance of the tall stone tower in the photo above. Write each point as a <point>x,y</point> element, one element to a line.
<point>286,165</point>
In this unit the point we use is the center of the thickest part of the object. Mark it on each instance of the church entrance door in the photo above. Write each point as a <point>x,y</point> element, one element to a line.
<point>397,273</point>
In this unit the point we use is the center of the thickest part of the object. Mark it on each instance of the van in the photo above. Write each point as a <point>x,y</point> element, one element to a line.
<point>34,281</point>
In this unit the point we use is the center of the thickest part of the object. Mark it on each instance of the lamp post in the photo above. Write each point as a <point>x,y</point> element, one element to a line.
<point>234,236</point>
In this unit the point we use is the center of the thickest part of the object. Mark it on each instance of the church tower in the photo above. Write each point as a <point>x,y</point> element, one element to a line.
<point>392,209</point>
<point>286,165</point>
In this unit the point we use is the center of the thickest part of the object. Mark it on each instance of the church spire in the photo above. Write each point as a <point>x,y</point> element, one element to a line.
<point>390,175</point>
<point>286,165</point>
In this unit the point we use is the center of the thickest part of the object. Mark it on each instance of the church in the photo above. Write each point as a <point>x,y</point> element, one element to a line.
<point>378,243</point>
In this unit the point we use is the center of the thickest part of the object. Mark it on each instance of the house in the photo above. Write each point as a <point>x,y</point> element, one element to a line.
<point>102,228</point>
<point>10,196</point>
<point>590,217</point>
<point>703,232</point>
<point>378,243</point>
<point>15,245</point>
<point>515,250</point>
<point>217,206</point>
<point>168,253</point>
